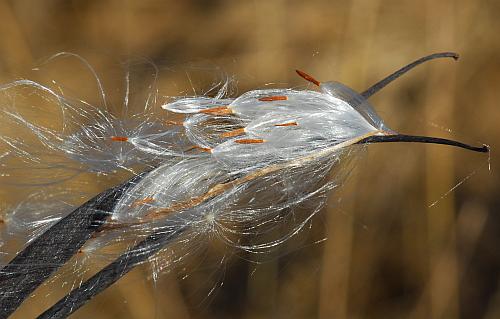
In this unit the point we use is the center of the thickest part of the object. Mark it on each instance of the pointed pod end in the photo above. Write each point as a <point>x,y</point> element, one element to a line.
<point>454,55</point>
<point>484,149</point>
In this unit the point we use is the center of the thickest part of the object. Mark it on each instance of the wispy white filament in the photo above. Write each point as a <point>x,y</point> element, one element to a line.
<point>228,169</point>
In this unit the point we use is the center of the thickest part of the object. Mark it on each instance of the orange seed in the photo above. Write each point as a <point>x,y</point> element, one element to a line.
<point>273,98</point>
<point>287,124</point>
<point>220,110</point>
<point>307,77</point>
<point>235,132</point>
<point>119,138</point>
<point>250,141</point>
<point>168,122</point>
<point>203,149</point>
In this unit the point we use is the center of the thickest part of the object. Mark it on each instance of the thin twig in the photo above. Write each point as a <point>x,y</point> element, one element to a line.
<point>381,84</point>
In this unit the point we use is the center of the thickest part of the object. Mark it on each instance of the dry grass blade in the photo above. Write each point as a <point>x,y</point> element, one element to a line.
<point>47,253</point>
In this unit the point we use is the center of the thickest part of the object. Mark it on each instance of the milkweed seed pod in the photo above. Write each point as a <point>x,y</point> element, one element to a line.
<point>232,169</point>
<point>253,158</point>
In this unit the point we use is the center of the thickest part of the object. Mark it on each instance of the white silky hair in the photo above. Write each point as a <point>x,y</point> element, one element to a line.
<point>233,168</point>
<point>287,133</point>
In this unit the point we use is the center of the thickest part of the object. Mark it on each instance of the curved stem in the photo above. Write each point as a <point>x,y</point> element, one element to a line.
<point>382,83</point>
<point>397,138</point>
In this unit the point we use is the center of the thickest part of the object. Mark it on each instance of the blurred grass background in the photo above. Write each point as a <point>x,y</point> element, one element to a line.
<point>389,253</point>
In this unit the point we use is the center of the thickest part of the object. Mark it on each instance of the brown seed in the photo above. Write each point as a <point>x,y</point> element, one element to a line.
<point>203,149</point>
<point>236,132</point>
<point>220,110</point>
<point>250,141</point>
<point>119,138</point>
<point>307,77</point>
<point>273,98</point>
<point>168,122</point>
<point>287,124</point>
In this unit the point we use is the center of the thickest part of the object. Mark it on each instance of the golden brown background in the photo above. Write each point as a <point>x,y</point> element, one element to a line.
<point>388,254</point>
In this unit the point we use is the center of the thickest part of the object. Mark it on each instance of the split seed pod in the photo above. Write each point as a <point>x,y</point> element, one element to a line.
<point>235,170</point>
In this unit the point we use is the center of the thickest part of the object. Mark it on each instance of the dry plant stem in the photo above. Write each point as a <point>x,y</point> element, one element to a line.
<point>48,252</point>
<point>381,84</point>
<point>398,138</point>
